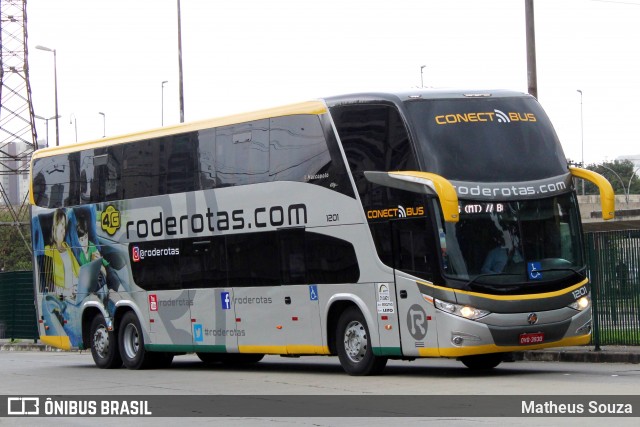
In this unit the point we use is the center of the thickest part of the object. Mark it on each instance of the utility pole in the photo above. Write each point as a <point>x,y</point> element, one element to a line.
<point>532,73</point>
<point>180,65</point>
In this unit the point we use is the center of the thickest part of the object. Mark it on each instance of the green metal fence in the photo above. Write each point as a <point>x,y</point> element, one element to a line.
<point>613,260</point>
<point>17,310</point>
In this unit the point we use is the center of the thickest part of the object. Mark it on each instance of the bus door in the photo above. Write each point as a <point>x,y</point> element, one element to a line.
<point>414,255</point>
<point>170,317</point>
<point>203,264</point>
<point>281,313</point>
<point>213,320</point>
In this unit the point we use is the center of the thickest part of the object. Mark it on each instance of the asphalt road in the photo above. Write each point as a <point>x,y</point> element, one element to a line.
<point>60,373</point>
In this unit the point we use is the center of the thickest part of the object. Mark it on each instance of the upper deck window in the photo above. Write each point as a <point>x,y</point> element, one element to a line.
<point>486,139</point>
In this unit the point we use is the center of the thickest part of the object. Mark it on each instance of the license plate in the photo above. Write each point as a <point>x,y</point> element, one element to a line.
<point>535,338</point>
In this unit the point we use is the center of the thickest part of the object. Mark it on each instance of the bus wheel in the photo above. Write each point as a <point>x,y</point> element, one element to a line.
<point>131,343</point>
<point>354,345</point>
<point>211,358</point>
<point>104,345</point>
<point>482,362</point>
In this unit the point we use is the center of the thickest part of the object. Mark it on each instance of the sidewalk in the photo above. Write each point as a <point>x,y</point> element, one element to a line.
<point>606,354</point>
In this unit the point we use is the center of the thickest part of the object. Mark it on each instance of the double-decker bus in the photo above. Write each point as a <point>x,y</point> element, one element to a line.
<point>372,227</point>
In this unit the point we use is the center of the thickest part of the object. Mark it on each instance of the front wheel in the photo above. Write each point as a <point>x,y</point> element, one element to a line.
<point>104,346</point>
<point>131,343</point>
<point>482,362</point>
<point>354,345</point>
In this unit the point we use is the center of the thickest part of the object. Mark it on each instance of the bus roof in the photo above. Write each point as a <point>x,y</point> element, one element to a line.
<point>311,107</point>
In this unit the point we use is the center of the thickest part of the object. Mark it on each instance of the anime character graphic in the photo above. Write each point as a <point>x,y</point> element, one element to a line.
<point>71,268</point>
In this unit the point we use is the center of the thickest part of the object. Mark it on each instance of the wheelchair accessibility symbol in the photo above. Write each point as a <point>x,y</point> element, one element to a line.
<point>534,270</point>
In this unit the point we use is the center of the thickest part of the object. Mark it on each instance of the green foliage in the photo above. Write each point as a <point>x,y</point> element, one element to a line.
<point>620,174</point>
<point>14,253</point>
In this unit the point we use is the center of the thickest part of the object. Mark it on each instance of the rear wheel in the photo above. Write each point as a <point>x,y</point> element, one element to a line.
<point>131,343</point>
<point>104,344</point>
<point>353,343</point>
<point>482,362</point>
<point>230,358</point>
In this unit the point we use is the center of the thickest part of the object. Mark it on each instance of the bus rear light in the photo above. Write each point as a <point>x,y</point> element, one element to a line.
<point>388,327</point>
<point>279,327</point>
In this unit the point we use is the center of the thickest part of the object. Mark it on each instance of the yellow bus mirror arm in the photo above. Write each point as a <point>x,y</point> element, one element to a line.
<point>445,191</point>
<point>607,196</point>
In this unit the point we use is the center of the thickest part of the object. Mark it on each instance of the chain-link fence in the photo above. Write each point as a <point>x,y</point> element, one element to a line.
<point>613,260</point>
<point>17,310</point>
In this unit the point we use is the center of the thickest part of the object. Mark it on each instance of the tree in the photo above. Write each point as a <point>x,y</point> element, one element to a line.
<point>14,253</point>
<point>620,174</point>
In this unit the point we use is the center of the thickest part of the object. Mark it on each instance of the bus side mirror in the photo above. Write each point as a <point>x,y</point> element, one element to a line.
<point>424,183</point>
<point>607,196</point>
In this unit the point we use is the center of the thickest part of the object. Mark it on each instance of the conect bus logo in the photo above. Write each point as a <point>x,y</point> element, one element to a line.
<point>497,116</point>
<point>399,212</point>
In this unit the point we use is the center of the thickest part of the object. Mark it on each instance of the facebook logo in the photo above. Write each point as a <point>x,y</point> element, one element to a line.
<point>225,299</point>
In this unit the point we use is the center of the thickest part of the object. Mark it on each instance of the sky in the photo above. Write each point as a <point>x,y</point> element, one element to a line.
<point>244,55</point>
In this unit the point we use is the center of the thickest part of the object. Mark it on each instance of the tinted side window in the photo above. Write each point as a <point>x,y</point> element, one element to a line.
<point>107,169</point>
<point>207,156</point>
<point>242,153</point>
<point>141,168</point>
<point>374,138</point>
<point>253,259</point>
<point>203,263</point>
<point>156,265</point>
<point>330,260</point>
<point>56,181</point>
<point>180,152</point>
<point>298,148</point>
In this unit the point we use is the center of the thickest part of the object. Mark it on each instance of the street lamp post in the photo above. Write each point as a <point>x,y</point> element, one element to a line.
<point>55,83</point>
<point>421,76</point>
<point>629,184</point>
<point>162,101</point>
<point>582,137</point>
<point>624,190</point>
<point>46,123</point>
<point>74,121</point>
<point>104,124</point>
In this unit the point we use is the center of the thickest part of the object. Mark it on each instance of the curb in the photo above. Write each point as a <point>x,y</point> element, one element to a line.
<point>585,356</point>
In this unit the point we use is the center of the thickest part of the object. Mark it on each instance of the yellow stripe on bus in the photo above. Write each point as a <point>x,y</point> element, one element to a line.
<point>492,348</point>
<point>58,341</point>
<point>508,297</point>
<point>284,349</point>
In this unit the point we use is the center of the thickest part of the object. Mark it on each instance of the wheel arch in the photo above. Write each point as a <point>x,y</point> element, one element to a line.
<point>336,306</point>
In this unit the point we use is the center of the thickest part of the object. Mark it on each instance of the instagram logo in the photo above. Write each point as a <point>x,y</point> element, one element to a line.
<point>135,253</point>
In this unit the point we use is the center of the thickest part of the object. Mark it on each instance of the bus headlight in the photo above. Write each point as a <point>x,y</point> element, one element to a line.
<point>465,311</point>
<point>582,303</point>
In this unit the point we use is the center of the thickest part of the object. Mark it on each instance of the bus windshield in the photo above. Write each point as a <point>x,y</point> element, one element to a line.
<point>486,139</point>
<point>503,243</point>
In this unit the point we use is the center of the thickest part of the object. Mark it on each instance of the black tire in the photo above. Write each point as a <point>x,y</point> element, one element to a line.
<point>242,358</point>
<point>131,343</point>
<point>104,344</point>
<point>482,362</point>
<point>230,358</point>
<point>211,358</point>
<point>160,360</point>
<point>353,343</point>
